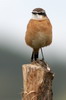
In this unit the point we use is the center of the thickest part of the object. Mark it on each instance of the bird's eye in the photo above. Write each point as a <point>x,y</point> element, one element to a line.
<point>40,14</point>
<point>44,14</point>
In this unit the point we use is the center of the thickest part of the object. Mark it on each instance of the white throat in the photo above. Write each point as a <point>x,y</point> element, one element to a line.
<point>37,17</point>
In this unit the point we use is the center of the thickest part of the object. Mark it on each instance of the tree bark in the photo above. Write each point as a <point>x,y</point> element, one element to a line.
<point>37,81</point>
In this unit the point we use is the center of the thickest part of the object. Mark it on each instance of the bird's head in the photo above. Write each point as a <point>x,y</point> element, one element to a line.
<point>39,14</point>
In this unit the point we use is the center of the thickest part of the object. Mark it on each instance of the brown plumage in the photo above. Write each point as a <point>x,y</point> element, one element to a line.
<point>38,9</point>
<point>39,33</point>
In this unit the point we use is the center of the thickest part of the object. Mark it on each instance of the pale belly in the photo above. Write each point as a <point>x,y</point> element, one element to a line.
<point>41,40</point>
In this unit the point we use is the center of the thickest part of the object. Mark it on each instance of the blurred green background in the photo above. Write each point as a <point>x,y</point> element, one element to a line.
<point>14,16</point>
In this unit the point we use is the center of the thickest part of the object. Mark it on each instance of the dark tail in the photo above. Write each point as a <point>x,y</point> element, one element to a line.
<point>35,55</point>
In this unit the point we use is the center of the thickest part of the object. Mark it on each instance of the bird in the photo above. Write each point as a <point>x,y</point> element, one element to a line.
<point>38,32</point>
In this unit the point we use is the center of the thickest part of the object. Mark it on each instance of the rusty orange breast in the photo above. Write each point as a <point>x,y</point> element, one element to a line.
<point>39,33</point>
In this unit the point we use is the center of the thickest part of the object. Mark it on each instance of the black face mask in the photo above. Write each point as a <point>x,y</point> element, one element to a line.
<point>44,14</point>
<point>40,13</point>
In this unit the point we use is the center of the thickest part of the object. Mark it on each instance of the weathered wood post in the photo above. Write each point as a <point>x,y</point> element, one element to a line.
<point>37,81</point>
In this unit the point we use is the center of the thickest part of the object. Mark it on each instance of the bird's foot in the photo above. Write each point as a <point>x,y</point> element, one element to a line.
<point>43,60</point>
<point>32,60</point>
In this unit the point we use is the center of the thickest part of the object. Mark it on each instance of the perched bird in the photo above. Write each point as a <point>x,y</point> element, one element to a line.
<point>39,32</point>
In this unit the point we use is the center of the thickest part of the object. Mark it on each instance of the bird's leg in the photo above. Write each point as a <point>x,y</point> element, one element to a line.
<point>36,55</point>
<point>43,60</point>
<point>32,57</point>
<point>42,55</point>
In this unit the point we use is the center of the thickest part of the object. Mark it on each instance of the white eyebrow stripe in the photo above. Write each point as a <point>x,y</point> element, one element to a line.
<point>34,12</point>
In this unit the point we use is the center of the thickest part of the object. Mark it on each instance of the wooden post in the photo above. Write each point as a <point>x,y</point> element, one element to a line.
<point>37,81</point>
